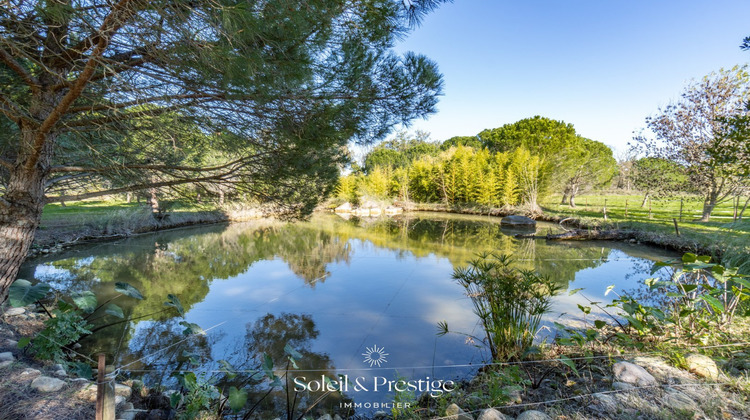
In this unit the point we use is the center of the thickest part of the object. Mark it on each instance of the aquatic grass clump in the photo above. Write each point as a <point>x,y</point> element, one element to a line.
<point>509,301</point>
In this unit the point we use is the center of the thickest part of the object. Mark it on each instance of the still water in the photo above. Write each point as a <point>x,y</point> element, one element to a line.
<point>337,291</point>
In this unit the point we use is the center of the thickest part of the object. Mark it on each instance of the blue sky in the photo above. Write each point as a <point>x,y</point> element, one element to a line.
<point>601,65</point>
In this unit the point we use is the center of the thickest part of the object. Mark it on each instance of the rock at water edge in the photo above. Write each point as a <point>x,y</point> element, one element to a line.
<point>633,374</point>
<point>491,414</point>
<point>454,412</point>
<point>533,415</point>
<point>15,311</point>
<point>516,220</point>
<point>702,366</point>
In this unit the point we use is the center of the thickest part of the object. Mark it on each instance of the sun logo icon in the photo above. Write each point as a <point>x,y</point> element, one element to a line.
<point>375,355</point>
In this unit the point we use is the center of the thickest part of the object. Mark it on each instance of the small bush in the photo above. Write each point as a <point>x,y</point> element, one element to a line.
<point>64,328</point>
<point>702,299</point>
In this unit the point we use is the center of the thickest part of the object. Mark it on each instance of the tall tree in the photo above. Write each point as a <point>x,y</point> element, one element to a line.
<point>658,177</point>
<point>470,141</point>
<point>279,86</point>
<point>401,150</point>
<point>552,141</point>
<point>687,130</point>
<point>540,135</point>
<point>592,165</point>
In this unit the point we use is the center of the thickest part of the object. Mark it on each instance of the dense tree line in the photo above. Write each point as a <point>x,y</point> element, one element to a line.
<point>516,164</point>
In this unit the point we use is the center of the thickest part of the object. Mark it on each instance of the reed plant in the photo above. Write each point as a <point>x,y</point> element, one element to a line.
<point>509,302</point>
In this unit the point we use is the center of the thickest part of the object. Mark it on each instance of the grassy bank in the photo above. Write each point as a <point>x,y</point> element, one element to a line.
<point>97,220</point>
<point>723,238</point>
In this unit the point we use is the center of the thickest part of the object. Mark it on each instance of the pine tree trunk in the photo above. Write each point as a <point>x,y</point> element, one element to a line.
<point>20,213</point>
<point>153,200</point>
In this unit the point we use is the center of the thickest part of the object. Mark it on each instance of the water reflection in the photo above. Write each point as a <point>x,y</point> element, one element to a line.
<point>329,286</point>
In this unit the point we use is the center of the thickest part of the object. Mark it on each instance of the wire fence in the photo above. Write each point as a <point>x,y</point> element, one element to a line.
<point>634,208</point>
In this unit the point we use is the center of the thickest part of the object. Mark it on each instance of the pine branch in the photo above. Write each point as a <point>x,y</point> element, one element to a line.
<point>14,65</point>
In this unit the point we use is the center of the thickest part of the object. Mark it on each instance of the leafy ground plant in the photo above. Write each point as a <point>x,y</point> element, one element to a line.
<point>70,320</point>
<point>696,302</point>
<point>703,297</point>
<point>509,302</point>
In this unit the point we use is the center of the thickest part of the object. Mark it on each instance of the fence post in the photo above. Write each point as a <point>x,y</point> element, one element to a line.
<point>105,392</point>
<point>605,209</point>
<point>676,229</point>
<point>681,200</point>
<point>626,208</point>
<point>649,209</point>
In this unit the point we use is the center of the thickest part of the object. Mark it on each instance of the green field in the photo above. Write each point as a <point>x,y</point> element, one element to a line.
<point>72,212</point>
<point>624,211</point>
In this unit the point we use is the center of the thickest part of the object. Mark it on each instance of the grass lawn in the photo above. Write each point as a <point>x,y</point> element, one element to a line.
<point>624,211</point>
<point>55,213</point>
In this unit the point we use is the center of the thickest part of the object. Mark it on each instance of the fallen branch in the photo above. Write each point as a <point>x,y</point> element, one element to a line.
<point>584,234</point>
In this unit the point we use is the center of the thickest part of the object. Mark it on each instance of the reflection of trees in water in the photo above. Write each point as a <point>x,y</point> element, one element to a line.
<point>460,239</point>
<point>308,251</point>
<point>269,335</point>
<point>185,263</point>
<point>160,349</point>
<point>161,264</point>
<point>642,293</point>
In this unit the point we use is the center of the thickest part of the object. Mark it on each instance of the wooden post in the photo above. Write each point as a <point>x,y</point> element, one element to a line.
<point>681,202</point>
<point>105,392</point>
<point>587,204</point>
<point>605,209</point>
<point>676,229</point>
<point>626,208</point>
<point>649,209</point>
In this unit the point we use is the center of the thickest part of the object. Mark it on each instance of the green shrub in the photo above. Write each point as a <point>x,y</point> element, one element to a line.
<point>702,299</point>
<point>64,328</point>
<point>696,302</point>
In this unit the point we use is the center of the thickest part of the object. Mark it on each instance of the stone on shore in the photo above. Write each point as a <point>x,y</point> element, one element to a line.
<point>454,412</point>
<point>633,374</point>
<point>702,366</point>
<point>47,384</point>
<point>516,220</point>
<point>491,414</point>
<point>533,415</point>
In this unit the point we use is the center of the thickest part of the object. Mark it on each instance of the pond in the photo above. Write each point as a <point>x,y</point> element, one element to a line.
<point>360,298</point>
